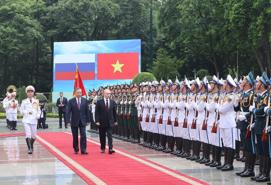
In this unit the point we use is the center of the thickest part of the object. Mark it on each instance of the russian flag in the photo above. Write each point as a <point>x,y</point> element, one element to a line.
<point>65,66</point>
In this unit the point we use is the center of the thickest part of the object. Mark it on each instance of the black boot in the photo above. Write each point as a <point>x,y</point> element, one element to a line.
<point>169,145</point>
<point>266,171</point>
<point>206,154</point>
<point>237,151</point>
<point>225,159</point>
<point>15,125</point>
<point>203,152</point>
<point>217,157</point>
<point>212,153</point>
<point>250,169</point>
<point>187,149</point>
<point>28,142</point>
<point>192,156</point>
<point>32,141</point>
<point>261,163</point>
<point>229,165</point>
<point>246,167</point>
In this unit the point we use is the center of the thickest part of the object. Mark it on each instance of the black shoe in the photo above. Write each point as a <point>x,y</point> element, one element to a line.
<point>239,173</point>
<point>256,177</point>
<point>111,151</point>
<point>195,158</point>
<point>66,127</point>
<point>215,164</point>
<point>199,160</point>
<point>220,166</point>
<point>75,152</point>
<point>247,173</point>
<point>84,153</point>
<point>59,127</point>
<point>205,161</point>
<point>102,151</point>
<point>209,163</point>
<point>227,167</point>
<point>167,150</point>
<point>263,178</point>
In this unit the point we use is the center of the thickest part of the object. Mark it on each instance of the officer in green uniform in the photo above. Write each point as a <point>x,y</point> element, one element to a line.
<point>241,106</point>
<point>257,129</point>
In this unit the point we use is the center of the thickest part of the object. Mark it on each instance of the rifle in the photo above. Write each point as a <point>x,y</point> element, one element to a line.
<point>265,130</point>
<point>204,125</point>
<point>248,131</point>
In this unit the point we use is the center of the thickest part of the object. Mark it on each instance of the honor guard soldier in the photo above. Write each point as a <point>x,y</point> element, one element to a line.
<point>202,121</point>
<point>213,132</point>
<point>227,124</point>
<point>182,119</point>
<point>261,101</point>
<point>153,112</point>
<point>134,115</point>
<point>173,118</point>
<point>169,97</point>
<point>164,117</point>
<point>159,116</point>
<point>179,118</point>
<point>138,101</point>
<point>191,120</point>
<point>145,113</point>
<point>241,106</point>
<point>30,110</point>
<point>10,104</point>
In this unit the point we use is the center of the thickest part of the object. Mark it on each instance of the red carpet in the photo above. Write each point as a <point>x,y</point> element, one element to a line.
<point>110,169</point>
<point>16,134</point>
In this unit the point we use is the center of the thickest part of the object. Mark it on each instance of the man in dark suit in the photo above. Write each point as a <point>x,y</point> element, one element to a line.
<point>61,103</point>
<point>106,118</point>
<point>78,116</point>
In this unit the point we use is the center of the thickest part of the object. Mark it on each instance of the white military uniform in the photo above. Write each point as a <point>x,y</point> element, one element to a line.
<point>200,107</point>
<point>227,122</point>
<point>182,132</point>
<point>31,111</point>
<point>191,115</point>
<point>145,113</point>
<point>151,105</point>
<point>166,115</point>
<point>11,108</point>
<point>174,115</point>
<point>138,105</point>
<point>211,107</point>
<point>159,113</point>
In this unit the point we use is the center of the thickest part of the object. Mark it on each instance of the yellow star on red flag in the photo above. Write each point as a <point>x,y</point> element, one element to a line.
<point>117,67</point>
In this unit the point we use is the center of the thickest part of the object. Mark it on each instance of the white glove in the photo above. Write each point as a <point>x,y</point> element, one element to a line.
<point>241,117</point>
<point>266,109</point>
<point>251,108</point>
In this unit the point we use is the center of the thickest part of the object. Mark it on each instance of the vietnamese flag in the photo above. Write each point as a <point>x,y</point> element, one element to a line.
<point>78,82</point>
<point>116,66</point>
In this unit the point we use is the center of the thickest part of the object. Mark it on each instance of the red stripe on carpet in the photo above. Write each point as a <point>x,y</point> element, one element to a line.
<point>112,169</point>
<point>12,134</point>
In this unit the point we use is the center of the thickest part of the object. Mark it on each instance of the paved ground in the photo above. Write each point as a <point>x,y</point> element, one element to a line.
<point>17,167</point>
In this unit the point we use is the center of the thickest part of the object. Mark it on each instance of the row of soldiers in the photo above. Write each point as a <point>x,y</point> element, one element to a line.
<point>211,117</point>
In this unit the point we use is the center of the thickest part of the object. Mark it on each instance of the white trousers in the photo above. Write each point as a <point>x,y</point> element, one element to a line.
<point>11,116</point>
<point>214,138</point>
<point>30,130</point>
<point>228,137</point>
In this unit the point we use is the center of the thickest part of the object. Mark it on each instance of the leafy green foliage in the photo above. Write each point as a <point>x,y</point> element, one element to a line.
<point>144,77</point>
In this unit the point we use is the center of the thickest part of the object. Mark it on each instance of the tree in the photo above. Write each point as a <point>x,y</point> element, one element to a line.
<point>165,66</point>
